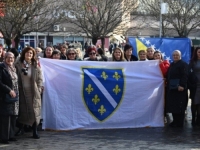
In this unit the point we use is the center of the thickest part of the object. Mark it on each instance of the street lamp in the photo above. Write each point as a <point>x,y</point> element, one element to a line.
<point>163,10</point>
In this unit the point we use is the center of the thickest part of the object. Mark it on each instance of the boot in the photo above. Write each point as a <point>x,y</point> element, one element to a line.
<point>35,134</point>
<point>198,120</point>
<point>194,113</point>
<point>20,131</point>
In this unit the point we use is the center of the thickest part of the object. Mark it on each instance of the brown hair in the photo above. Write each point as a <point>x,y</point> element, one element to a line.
<point>122,54</point>
<point>158,52</point>
<point>26,49</point>
<point>194,56</point>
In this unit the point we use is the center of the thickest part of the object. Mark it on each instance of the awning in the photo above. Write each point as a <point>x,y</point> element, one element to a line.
<point>195,42</point>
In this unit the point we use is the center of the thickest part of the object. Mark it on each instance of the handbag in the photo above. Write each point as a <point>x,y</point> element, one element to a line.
<point>173,84</point>
<point>9,99</point>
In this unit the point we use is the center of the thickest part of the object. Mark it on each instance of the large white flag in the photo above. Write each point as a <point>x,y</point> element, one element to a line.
<point>97,95</point>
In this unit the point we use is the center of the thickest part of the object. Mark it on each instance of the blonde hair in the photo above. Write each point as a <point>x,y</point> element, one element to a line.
<point>150,48</point>
<point>39,49</point>
<point>79,53</point>
<point>122,54</point>
<point>142,51</point>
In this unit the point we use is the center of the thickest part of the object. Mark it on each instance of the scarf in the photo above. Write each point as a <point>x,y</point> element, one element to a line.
<point>11,71</point>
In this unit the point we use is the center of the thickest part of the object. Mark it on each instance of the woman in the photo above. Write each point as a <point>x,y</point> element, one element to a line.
<point>56,54</point>
<point>92,52</point>
<point>101,54</point>
<point>142,55</point>
<point>164,64</point>
<point>15,52</point>
<point>8,111</point>
<point>128,50</point>
<point>150,52</point>
<point>79,53</point>
<point>39,52</point>
<point>194,86</point>
<point>63,50</point>
<point>72,55</point>
<point>118,55</point>
<point>30,88</point>
<point>48,52</point>
<point>177,97</point>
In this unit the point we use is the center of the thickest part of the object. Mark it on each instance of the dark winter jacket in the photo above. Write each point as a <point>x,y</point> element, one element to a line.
<point>5,88</point>
<point>133,58</point>
<point>192,80</point>
<point>177,100</point>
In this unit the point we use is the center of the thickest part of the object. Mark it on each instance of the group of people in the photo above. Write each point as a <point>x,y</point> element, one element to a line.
<point>22,78</point>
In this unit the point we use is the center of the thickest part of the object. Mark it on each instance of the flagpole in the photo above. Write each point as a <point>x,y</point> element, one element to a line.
<point>160,19</point>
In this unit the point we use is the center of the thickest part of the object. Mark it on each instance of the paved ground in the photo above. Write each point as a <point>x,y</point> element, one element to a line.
<point>165,138</point>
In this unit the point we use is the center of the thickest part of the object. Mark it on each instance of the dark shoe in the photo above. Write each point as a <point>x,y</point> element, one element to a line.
<point>193,122</point>
<point>5,142</point>
<point>198,121</point>
<point>19,132</point>
<point>12,139</point>
<point>172,124</point>
<point>36,136</point>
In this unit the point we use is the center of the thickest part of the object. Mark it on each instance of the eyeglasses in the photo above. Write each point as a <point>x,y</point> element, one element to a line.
<point>92,53</point>
<point>71,54</point>
<point>10,58</point>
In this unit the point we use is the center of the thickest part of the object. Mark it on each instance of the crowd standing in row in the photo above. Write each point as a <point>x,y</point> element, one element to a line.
<point>21,77</point>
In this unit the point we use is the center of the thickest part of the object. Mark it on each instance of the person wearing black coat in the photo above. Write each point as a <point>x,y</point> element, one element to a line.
<point>8,111</point>
<point>177,97</point>
<point>194,86</point>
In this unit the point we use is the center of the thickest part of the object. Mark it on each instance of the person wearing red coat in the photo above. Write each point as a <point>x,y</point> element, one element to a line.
<point>164,64</point>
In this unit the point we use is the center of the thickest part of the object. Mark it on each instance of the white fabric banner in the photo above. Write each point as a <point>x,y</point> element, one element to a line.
<point>102,95</point>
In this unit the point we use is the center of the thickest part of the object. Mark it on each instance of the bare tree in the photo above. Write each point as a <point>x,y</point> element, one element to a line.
<point>24,16</point>
<point>183,15</point>
<point>98,18</point>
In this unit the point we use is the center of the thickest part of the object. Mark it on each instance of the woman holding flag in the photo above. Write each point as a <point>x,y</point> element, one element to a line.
<point>164,64</point>
<point>177,96</point>
<point>118,55</point>
<point>150,52</point>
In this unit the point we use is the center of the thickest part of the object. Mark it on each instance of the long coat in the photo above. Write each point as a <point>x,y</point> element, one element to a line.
<point>26,116</point>
<point>192,80</point>
<point>5,88</point>
<point>177,100</point>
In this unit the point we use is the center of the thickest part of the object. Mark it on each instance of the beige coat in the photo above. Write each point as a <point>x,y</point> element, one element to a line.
<point>29,112</point>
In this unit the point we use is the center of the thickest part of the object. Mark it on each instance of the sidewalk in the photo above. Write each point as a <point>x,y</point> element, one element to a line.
<point>165,138</point>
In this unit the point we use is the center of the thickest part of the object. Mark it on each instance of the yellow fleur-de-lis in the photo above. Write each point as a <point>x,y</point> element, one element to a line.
<point>96,99</point>
<point>89,89</point>
<point>104,75</point>
<point>102,110</point>
<point>116,76</point>
<point>116,90</point>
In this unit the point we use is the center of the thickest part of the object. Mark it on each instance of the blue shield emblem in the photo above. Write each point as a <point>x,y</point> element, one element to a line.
<point>102,91</point>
